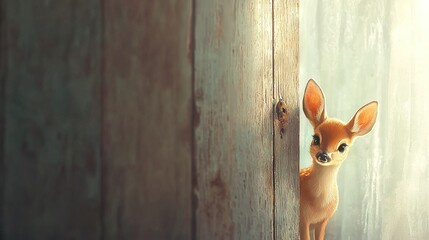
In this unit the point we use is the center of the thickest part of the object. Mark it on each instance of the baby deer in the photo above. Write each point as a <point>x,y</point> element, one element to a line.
<point>330,146</point>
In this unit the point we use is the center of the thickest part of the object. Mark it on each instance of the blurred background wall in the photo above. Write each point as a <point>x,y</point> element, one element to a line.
<point>86,87</point>
<point>364,50</point>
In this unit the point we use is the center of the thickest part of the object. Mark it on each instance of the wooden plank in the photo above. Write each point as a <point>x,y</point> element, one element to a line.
<point>3,60</point>
<point>52,135</point>
<point>147,119</point>
<point>286,149</point>
<point>233,127</point>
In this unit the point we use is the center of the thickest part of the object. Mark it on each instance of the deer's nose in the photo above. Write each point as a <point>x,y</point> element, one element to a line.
<point>322,157</point>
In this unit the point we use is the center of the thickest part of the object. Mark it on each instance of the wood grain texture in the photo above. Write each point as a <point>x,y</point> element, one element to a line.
<point>147,119</point>
<point>51,141</point>
<point>3,59</point>
<point>286,149</point>
<point>233,126</point>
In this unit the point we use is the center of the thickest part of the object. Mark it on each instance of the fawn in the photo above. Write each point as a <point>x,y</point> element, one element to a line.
<point>329,148</point>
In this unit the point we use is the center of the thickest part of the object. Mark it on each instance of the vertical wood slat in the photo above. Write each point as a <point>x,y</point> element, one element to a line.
<point>286,149</point>
<point>51,138</point>
<point>3,59</point>
<point>233,126</point>
<point>147,119</point>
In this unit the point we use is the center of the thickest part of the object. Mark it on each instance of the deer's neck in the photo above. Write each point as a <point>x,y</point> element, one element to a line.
<point>323,181</point>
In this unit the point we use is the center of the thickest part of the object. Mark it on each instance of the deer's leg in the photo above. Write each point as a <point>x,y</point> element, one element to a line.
<point>320,230</point>
<point>304,231</point>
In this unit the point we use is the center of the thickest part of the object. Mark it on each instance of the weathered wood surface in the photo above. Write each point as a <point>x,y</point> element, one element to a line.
<point>233,127</point>
<point>286,149</point>
<point>147,119</point>
<point>52,135</point>
<point>3,60</point>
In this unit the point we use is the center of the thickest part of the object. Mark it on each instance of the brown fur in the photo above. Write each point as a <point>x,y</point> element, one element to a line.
<point>318,183</point>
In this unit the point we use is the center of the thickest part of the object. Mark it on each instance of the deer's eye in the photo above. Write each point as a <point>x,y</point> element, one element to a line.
<point>342,147</point>
<point>316,140</point>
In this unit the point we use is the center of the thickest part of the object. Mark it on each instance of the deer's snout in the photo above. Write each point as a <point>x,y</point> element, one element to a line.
<point>323,157</point>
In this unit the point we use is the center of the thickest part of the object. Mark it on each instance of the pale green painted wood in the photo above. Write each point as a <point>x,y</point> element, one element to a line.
<point>286,149</point>
<point>234,127</point>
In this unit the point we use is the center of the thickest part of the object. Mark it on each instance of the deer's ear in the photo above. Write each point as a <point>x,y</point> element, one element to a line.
<point>314,103</point>
<point>364,119</point>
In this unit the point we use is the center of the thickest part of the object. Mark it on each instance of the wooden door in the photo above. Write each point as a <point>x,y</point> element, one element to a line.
<point>245,175</point>
<point>149,119</point>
